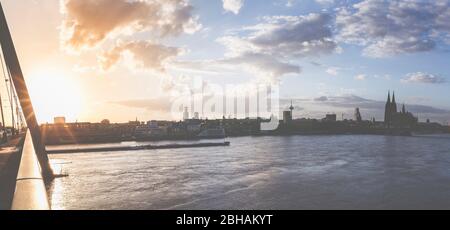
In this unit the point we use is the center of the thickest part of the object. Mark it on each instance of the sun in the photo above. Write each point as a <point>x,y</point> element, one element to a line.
<point>54,94</point>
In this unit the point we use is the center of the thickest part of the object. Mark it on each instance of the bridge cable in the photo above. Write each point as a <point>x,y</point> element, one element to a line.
<point>9,89</point>
<point>1,102</point>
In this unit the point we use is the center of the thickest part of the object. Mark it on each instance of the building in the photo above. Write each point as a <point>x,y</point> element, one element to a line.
<point>330,117</point>
<point>186,114</point>
<point>105,122</point>
<point>59,120</point>
<point>150,130</point>
<point>394,118</point>
<point>287,115</point>
<point>193,125</point>
<point>358,116</point>
<point>135,123</point>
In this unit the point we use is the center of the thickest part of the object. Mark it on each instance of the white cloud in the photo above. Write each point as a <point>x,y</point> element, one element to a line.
<point>333,71</point>
<point>360,77</point>
<point>290,3</point>
<point>388,28</point>
<point>426,78</point>
<point>233,6</point>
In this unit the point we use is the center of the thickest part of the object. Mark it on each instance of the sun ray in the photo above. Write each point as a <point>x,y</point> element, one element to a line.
<point>53,94</point>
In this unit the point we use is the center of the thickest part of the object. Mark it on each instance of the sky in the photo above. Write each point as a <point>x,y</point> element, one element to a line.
<point>90,60</point>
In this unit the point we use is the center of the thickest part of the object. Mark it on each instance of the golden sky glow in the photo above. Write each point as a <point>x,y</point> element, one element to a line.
<point>63,84</point>
<point>122,60</point>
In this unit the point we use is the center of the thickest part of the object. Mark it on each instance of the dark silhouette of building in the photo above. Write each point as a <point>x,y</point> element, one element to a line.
<point>105,122</point>
<point>59,120</point>
<point>395,119</point>
<point>330,117</point>
<point>287,115</point>
<point>358,116</point>
<point>186,114</point>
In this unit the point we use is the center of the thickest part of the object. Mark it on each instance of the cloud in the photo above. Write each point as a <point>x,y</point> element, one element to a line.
<point>325,2</point>
<point>333,71</point>
<point>314,63</point>
<point>271,45</point>
<point>87,23</point>
<point>425,78</point>
<point>269,48</point>
<point>145,55</point>
<point>155,105</point>
<point>262,65</point>
<point>321,99</point>
<point>291,3</point>
<point>233,6</point>
<point>360,77</point>
<point>293,36</point>
<point>386,28</point>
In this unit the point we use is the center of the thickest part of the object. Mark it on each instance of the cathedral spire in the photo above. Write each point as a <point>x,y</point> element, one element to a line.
<point>389,97</point>
<point>394,103</point>
<point>388,110</point>
<point>393,97</point>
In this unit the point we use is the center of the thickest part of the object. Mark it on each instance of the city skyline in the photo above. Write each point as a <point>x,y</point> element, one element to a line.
<point>328,56</point>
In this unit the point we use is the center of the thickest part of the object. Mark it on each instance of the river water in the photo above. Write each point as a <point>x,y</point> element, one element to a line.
<point>295,172</point>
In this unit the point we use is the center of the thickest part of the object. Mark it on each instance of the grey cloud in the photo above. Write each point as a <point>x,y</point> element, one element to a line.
<point>285,36</point>
<point>295,36</point>
<point>261,65</point>
<point>387,28</point>
<point>267,46</point>
<point>323,98</point>
<point>264,64</point>
<point>314,63</point>
<point>156,105</point>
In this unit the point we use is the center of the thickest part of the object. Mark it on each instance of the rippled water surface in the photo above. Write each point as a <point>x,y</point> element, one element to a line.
<point>297,172</point>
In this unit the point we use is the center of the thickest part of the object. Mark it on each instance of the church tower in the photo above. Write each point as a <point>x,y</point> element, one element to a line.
<point>393,104</point>
<point>387,110</point>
